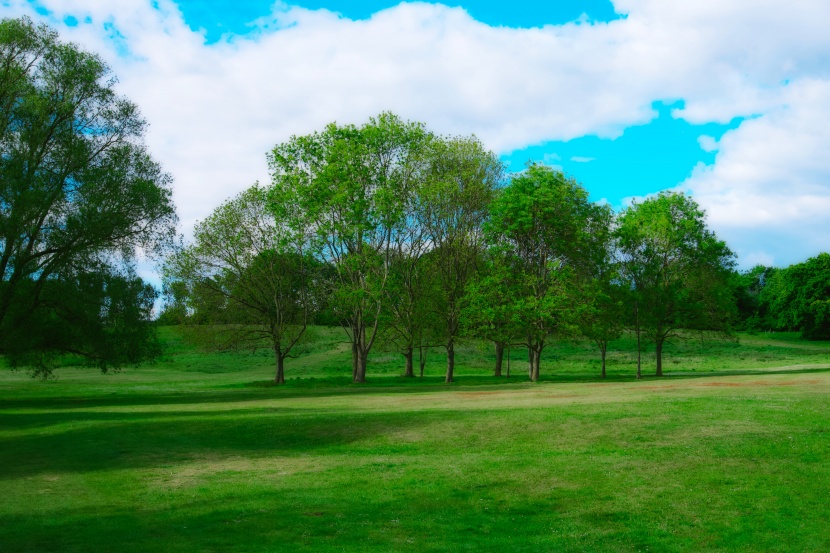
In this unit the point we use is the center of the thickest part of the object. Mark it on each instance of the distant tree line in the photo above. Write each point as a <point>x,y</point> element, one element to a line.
<point>795,298</point>
<point>414,241</point>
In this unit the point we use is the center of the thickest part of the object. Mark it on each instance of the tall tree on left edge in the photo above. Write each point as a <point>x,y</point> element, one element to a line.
<point>79,197</point>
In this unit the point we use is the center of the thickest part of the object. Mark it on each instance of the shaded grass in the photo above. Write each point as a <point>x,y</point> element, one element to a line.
<point>727,454</point>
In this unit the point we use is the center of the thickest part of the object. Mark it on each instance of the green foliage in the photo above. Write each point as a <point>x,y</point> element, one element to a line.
<point>798,298</point>
<point>79,194</point>
<point>677,269</point>
<point>102,318</point>
<point>540,230</point>
<point>245,279</point>
<point>351,186</point>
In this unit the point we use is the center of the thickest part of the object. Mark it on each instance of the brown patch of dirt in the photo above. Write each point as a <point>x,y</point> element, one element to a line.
<point>470,395</point>
<point>760,383</point>
<point>658,387</point>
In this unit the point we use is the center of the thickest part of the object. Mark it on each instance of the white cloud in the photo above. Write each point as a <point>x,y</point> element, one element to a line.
<point>771,181</point>
<point>581,159</point>
<point>216,109</point>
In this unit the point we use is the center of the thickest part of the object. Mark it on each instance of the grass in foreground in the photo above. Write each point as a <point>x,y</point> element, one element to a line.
<point>198,453</point>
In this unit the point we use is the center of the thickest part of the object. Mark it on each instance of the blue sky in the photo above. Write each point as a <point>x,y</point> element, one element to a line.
<point>221,16</point>
<point>725,100</point>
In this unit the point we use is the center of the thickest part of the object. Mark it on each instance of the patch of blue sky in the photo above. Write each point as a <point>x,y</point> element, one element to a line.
<point>220,17</point>
<point>643,160</point>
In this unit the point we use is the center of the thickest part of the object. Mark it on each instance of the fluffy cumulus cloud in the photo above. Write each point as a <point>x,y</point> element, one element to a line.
<point>216,109</point>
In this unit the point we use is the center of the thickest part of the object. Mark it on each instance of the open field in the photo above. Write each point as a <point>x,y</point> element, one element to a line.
<point>730,452</point>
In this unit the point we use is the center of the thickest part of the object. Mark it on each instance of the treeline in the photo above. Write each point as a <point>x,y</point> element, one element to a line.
<point>413,241</point>
<point>796,298</point>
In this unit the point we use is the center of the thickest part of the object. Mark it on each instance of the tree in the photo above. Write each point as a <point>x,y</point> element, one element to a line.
<point>408,299</point>
<point>601,313</point>
<point>487,313</point>
<point>248,278</point>
<point>677,268</point>
<point>350,185</point>
<point>542,223</point>
<point>462,177</point>
<point>79,195</point>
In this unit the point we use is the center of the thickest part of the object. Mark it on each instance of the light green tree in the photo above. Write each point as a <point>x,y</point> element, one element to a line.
<point>461,180</point>
<point>249,279</point>
<point>349,186</point>
<point>677,269</point>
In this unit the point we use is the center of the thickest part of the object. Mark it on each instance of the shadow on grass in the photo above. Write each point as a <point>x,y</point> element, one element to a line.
<point>127,440</point>
<point>339,386</point>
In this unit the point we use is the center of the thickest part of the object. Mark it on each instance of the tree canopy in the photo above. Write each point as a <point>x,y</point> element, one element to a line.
<point>677,268</point>
<point>80,196</point>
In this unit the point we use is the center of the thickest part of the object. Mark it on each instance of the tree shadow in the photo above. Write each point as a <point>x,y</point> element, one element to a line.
<point>92,441</point>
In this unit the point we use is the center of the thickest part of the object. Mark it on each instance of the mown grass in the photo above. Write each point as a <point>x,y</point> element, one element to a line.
<point>729,452</point>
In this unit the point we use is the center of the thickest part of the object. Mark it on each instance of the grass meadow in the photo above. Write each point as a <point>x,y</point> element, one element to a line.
<point>199,453</point>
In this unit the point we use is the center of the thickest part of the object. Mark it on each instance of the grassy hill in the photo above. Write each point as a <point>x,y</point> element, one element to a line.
<point>730,452</point>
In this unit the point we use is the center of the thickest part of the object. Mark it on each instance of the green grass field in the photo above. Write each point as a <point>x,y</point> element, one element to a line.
<point>729,452</point>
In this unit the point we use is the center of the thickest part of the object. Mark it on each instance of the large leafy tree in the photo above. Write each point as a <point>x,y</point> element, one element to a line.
<point>350,186</point>
<point>677,269</point>
<point>542,223</point>
<point>79,195</point>
<point>249,279</point>
<point>461,181</point>
<point>601,307</point>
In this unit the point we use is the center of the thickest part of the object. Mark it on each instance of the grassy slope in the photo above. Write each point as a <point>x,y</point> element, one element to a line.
<point>197,453</point>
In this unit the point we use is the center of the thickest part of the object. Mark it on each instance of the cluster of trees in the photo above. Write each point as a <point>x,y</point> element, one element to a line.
<point>407,239</point>
<point>796,298</point>
<point>79,197</point>
<point>414,240</point>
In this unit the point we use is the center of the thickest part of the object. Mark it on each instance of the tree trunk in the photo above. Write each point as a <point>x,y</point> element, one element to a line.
<point>499,358</point>
<point>508,361</point>
<point>637,323</point>
<point>536,357</point>
<point>422,359</point>
<point>355,356</point>
<point>529,362</point>
<point>658,347</point>
<point>450,362</point>
<point>360,374</point>
<point>408,372</point>
<point>602,350</point>
<point>279,377</point>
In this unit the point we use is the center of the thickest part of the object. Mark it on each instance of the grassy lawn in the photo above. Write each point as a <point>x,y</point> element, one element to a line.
<point>729,452</point>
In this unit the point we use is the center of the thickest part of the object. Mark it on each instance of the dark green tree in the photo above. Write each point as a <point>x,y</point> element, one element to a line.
<point>79,196</point>
<point>542,223</point>
<point>798,298</point>
<point>488,313</point>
